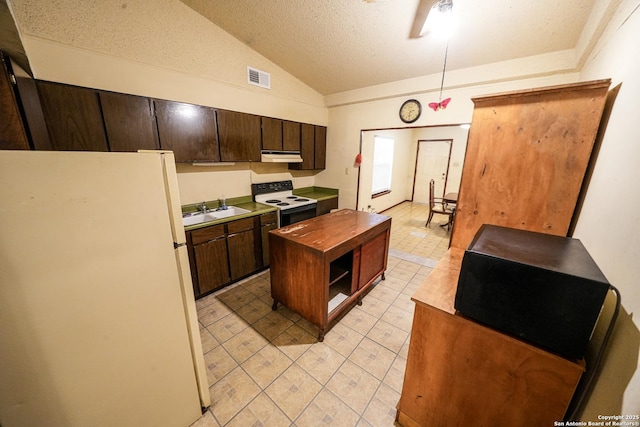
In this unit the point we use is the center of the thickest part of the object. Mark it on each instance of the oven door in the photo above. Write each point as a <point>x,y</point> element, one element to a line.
<point>300,213</point>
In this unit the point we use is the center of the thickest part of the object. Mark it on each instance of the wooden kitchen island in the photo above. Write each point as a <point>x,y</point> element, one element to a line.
<point>321,266</point>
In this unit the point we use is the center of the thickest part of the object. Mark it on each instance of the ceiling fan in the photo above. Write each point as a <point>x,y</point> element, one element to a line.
<point>425,7</point>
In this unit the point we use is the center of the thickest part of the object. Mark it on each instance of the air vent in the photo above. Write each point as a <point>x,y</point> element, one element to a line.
<point>259,78</point>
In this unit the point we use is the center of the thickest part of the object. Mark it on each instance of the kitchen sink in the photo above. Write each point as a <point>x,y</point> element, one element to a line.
<point>200,217</point>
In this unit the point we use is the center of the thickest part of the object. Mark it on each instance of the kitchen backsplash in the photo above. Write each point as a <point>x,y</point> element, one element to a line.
<point>198,183</point>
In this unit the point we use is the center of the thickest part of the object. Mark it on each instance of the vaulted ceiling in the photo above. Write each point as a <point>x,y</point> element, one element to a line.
<point>335,46</point>
<point>340,45</point>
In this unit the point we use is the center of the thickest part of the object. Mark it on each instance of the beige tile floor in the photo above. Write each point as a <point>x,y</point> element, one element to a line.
<point>266,368</point>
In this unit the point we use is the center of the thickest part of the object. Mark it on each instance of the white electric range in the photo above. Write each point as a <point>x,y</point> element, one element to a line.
<point>279,194</point>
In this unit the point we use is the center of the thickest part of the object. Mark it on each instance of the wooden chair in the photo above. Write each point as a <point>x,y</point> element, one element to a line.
<point>438,206</point>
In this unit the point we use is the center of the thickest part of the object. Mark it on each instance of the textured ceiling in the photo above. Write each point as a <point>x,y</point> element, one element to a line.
<point>10,39</point>
<point>339,45</point>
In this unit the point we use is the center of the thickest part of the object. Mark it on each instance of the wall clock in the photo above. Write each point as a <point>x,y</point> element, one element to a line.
<point>410,110</point>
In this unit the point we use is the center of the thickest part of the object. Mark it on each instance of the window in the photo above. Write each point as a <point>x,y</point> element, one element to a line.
<point>382,165</point>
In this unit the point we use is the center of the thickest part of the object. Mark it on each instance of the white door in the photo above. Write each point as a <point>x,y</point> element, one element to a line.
<point>432,163</point>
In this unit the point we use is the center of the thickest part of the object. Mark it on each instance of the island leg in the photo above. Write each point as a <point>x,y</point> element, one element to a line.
<point>320,335</point>
<point>383,278</point>
<point>274,307</point>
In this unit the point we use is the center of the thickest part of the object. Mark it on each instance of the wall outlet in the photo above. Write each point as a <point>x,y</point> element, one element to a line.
<point>346,171</point>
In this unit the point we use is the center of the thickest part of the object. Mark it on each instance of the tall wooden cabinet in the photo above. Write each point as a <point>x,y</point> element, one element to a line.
<point>526,158</point>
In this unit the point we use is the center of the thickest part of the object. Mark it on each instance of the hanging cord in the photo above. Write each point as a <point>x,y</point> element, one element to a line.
<point>442,104</point>
<point>444,68</point>
<point>586,391</point>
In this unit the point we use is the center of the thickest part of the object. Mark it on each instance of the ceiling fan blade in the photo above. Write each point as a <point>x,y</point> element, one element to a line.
<point>424,6</point>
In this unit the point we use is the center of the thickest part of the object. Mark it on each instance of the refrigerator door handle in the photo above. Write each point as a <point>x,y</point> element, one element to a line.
<point>178,245</point>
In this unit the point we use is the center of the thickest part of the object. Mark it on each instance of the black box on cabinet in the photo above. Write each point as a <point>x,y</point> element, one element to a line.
<point>541,288</point>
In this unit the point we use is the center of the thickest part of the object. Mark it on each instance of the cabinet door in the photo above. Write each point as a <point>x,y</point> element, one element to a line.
<point>307,148</point>
<point>268,222</point>
<point>264,230</point>
<point>130,122</point>
<point>211,264</point>
<point>290,136</point>
<point>188,130</point>
<point>12,132</point>
<point>325,206</point>
<point>242,257</point>
<point>320,147</point>
<point>240,136</point>
<point>73,117</point>
<point>34,117</point>
<point>374,258</point>
<point>271,134</point>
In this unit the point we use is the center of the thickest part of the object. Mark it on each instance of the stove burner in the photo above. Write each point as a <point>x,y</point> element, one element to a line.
<point>292,197</point>
<point>272,201</point>
<point>300,200</point>
<point>283,204</point>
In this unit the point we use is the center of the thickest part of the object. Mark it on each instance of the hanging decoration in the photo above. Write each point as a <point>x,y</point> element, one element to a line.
<point>442,103</point>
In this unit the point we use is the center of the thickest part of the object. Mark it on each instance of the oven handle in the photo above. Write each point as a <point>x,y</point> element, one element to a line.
<point>298,209</point>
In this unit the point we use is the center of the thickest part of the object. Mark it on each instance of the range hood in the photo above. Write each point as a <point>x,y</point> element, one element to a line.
<point>281,157</point>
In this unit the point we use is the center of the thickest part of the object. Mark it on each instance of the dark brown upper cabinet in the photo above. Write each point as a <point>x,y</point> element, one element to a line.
<point>240,136</point>
<point>307,147</point>
<point>73,117</point>
<point>320,158</point>
<point>290,136</point>
<point>271,134</point>
<point>188,130</point>
<point>280,135</point>
<point>12,132</point>
<point>130,122</point>
<point>313,148</point>
<point>33,115</point>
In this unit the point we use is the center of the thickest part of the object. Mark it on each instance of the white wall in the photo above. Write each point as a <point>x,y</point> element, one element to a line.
<point>204,183</point>
<point>402,171</point>
<point>609,224</point>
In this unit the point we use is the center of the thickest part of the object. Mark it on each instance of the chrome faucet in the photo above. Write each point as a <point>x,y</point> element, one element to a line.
<point>203,207</point>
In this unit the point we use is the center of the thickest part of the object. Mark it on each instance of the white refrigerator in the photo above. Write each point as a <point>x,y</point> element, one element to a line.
<point>98,322</point>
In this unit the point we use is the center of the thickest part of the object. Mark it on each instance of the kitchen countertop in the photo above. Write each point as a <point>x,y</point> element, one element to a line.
<point>318,193</point>
<point>246,202</point>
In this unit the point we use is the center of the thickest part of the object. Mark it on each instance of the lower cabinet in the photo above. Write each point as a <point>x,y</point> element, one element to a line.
<point>242,248</point>
<point>325,206</point>
<point>209,258</point>
<point>268,222</point>
<point>223,253</point>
